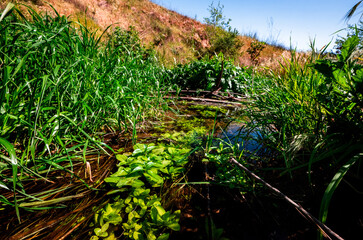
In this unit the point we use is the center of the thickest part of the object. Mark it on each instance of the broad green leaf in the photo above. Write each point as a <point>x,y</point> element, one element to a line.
<point>137,235</point>
<point>117,191</point>
<point>139,148</point>
<point>100,233</point>
<point>174,226</point>
<point>164,236</point>
<point>121,172</point>
<point>137,169</point>
<point>111,236</point>
<point>105,227</point>
<point>158,150</point>
<point>141,191</point>
<point>112,179</point>
<point>137,227</point>
<point>113,218</point>
<point>151,235</point>
<point>177,214</point>
<point>172,150</point>
<point>122,159</point>
<point>137,183</point>
<point>160,209</point>
<point>126,182</point>
<point>154,178</point>
<point>10,149</point>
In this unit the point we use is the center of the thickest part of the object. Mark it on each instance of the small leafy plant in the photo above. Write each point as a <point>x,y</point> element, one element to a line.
<point>255,50</point>
<point>140,174</point>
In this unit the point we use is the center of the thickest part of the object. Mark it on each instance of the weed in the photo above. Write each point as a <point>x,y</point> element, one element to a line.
<point>141,214</point>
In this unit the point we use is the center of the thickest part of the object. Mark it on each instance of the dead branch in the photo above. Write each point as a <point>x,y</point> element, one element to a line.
<point>205,100</point>
<point>325,230</point>
<point>187,91</point>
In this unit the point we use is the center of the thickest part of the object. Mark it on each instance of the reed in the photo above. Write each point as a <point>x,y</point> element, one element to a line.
<point>61,87</point>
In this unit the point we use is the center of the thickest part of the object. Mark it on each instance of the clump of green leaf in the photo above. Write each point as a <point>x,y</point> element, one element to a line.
<point>128,44</point>
<point>341,92</point>
<point>255,49</point>
<point>141,215</point>
<point>340,95</point>
<point>205,74</point>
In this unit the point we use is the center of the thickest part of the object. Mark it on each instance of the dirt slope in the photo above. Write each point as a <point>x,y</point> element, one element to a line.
<point>176,38</point>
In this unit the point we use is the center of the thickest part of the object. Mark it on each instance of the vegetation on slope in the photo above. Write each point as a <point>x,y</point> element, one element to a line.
<point>176,38</point>
<point>64,87</point>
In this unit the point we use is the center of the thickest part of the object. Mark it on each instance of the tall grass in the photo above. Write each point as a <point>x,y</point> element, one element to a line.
<point>287,108</point>
<point>309,112</point>
<point>61,86</point>
<point>312,112</point>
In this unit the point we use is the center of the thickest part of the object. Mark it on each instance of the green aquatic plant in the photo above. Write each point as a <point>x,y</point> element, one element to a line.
<point>139,176</point>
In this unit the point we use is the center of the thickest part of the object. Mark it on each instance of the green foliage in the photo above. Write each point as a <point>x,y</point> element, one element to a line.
<point>226,174</point>
<point>285,109</point>
<point>141,214</point>
<point>61,86</point>
<point>203,74</point>
<point>341,95</point>
<point>223,39</point>
<point>216,18</point>
<point>352,30</point>
<point>312,113</point>
<point>255,50</point>
<point>128,44</point>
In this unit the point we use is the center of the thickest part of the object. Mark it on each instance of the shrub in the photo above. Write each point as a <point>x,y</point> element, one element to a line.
<point>223,39</point>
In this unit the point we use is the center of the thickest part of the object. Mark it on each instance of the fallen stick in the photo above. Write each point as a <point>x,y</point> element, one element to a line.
<point>204,100</point>
<point>203,92</point>
<point>326,231</point>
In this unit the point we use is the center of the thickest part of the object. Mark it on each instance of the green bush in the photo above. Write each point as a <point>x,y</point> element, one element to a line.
<point>255,50</point>
<point>222,38</point>
<point>203,74</point>
<point>128,43</point>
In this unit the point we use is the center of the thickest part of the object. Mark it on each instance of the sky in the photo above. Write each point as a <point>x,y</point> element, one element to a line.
<point>288,22</point>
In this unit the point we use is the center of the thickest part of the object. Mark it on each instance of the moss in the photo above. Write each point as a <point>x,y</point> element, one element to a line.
<point>208,114</point>
<point>208,108</point>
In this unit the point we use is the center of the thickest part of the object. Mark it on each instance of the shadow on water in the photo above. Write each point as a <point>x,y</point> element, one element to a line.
<point>249,141</point>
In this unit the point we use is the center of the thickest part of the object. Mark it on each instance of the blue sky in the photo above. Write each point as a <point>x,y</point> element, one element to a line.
<point>286,21</point>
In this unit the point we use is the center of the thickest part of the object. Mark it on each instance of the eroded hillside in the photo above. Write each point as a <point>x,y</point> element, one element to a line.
<point>176,38</point>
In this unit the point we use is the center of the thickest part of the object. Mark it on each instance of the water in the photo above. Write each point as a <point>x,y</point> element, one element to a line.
<point>236,133</point>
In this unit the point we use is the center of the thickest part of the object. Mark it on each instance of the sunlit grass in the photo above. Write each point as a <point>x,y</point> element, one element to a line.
<point>62,86</point>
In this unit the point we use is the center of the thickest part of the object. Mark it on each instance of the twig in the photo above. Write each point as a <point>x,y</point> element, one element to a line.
<point>326,231</point>
<point>202,91</point>
<point>204,100</point>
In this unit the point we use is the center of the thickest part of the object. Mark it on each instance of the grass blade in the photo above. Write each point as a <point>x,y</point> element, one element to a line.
<point>14,163</point>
